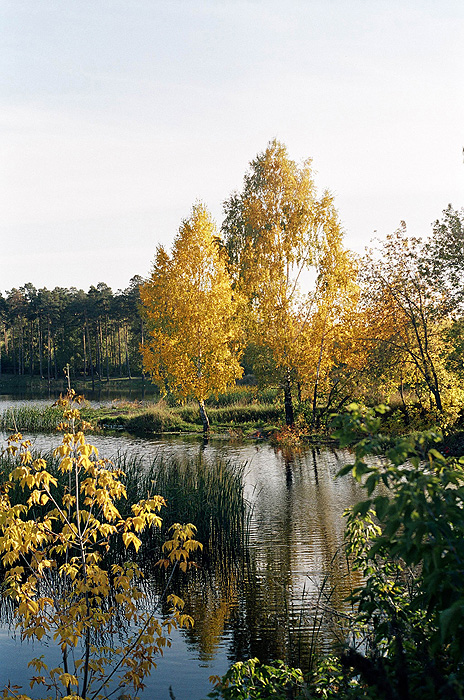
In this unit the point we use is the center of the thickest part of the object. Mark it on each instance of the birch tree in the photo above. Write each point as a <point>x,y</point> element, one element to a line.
<point>277,231</point>
<point>192,345</point>
<point>407,310</point>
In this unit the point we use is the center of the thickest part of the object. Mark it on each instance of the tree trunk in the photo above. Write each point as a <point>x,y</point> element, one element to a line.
<point>40,350</point>
<point>98,349</point>
<point>90,352</point>
<point>13,349</point>
<point>204,417</point>
<point>403,401</point>
<point>289,417</point>
<point>106,350</point>
<point>31,358</point>
<point>21,351</point>
<point>127,351</point>
<point>85,354</point>
<point>54,357</point>
<point>316,384</point>
<point>436,390</point>
<point>141,342</point>
<point>49,352</point>
<point>119,351</point>
<point>5,339</point>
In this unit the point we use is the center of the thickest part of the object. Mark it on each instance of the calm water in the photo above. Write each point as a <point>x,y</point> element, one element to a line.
<point>95,398</point>
<point>266,606</point>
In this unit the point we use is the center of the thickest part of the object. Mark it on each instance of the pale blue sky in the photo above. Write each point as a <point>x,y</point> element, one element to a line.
<point>117,115</point>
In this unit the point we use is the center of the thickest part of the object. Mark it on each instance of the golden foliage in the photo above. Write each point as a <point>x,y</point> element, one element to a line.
<point>194,337</point>
<point>52,547</point>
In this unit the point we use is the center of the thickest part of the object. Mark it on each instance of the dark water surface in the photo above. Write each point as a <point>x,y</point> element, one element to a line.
<point>264,606</point>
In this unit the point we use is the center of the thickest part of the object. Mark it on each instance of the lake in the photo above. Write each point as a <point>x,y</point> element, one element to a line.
<point>267,606</point>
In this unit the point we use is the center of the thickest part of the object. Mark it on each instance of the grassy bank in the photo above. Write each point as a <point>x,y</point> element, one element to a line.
<point>160,418</point>
<point>243,410</point>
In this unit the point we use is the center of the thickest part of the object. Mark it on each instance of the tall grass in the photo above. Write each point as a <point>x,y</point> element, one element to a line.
<point>239,406</point>
<point>238,413</point>
<point>242,394</point>
<point>33,419</point>
<point>208,494</point>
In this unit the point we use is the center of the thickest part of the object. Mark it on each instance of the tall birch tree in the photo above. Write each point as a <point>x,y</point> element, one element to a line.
<point>407,311</point>
<point>192,345</point>
<point>277,231</point>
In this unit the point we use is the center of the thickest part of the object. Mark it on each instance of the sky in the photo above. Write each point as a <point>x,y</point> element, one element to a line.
<point>118,115</point>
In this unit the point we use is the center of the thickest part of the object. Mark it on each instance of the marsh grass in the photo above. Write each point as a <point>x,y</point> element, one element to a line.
<point>241,406</point>
<point>209,494</point>
<point>237,413</point>
<point>33,419</point>
<point>161,418</point>
<point>241,394</point>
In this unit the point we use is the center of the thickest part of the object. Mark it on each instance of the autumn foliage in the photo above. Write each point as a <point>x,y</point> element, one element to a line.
<point>193,345</point>
<point>53,544</point>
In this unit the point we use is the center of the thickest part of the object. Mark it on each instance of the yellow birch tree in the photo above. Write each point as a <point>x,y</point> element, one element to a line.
<point>408,314</point>
<point>193,345</point>
<point>277,233</point>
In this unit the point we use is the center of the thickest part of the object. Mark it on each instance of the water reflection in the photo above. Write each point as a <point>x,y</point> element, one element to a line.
<point>103,396</point>
<point>268,603</point>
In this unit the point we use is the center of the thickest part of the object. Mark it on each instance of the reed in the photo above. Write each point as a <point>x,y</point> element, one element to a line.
<point>32,419</point>
<point>238,413</point>
<point>209,494</point>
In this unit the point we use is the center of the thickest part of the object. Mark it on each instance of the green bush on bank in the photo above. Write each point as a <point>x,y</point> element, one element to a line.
<point>155,419</point>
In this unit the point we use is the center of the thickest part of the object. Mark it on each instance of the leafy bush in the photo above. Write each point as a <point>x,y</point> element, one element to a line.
<point>251,680</point>
<point>153,420</point>
<point>407,539</point>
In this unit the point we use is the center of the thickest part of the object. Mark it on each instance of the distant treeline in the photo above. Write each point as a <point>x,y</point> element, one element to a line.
<point>98,333</point>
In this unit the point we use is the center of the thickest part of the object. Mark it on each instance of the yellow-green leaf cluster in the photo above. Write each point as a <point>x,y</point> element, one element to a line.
<point>52,547</point>
<point>194,338</point>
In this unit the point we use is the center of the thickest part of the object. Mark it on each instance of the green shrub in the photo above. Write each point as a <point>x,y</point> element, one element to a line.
<point>252,680</point>
<point>407,540</point>
<point>153,420</point>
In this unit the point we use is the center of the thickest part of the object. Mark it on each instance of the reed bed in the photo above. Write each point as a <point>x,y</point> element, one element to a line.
<point>31,419</point>
<point>208,494</point>
<point>238,413</point>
